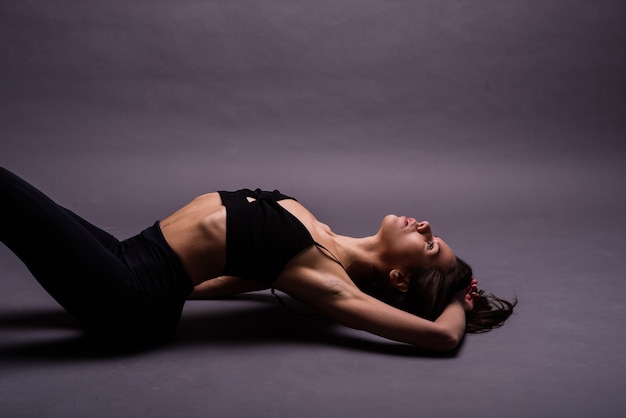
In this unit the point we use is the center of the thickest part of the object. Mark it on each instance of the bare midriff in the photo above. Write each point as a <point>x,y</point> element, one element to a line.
<point>197,234</point>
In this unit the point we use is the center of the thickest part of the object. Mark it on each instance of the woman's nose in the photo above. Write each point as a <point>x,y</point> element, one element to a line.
<point>423,228</point>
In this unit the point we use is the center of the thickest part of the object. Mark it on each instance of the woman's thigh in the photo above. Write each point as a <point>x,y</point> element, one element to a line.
<point>73,260</point>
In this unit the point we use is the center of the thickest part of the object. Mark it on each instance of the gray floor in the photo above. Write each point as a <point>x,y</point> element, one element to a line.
<point>501,122</point>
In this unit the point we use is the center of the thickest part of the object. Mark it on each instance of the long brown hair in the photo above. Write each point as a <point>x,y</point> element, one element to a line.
<point>431,290</point>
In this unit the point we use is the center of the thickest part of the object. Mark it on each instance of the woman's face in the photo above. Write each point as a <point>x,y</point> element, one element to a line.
<point>411,244</point>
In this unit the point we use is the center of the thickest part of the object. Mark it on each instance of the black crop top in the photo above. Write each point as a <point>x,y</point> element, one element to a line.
<point>261,236</point>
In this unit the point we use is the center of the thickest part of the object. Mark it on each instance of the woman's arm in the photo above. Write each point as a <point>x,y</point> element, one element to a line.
<point>349,306</point>
<point>225,286</point>
<point>360,311</point>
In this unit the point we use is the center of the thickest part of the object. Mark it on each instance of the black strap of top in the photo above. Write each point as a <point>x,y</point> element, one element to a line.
<point>329,253</point>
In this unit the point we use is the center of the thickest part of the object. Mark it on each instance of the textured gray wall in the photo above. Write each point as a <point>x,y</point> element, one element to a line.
<point>438,98</point>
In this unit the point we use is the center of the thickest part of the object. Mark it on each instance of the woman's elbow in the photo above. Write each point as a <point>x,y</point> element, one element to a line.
<point>445,341</point>
<point>449,343</point>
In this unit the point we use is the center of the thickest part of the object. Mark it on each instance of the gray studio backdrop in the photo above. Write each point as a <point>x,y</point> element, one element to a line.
<point>501,122</point>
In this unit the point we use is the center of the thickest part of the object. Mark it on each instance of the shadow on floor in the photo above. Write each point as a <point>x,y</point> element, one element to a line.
<point>52,334</point>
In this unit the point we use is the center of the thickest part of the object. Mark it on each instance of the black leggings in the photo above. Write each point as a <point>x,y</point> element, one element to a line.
<point>130,291</point>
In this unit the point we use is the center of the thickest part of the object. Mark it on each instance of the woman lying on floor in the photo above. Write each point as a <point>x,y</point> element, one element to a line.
<point>403,283</point>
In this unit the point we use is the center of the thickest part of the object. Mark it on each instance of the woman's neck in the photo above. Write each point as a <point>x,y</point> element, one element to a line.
<point>359,256</point>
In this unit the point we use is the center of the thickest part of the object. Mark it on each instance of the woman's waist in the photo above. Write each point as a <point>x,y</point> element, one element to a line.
<point>200,248</point>
<point>153,263</point>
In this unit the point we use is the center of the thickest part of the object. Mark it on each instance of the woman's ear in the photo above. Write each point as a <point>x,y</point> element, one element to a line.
<point>471,292</point>
<point>399,280</point>
<point>473,287</point>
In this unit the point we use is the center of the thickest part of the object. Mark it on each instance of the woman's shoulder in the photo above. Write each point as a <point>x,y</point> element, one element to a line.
<point>315,276</point>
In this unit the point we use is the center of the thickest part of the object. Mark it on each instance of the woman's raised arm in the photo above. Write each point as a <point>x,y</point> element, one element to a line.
<point>361,311</point>
<point>349,306</point>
